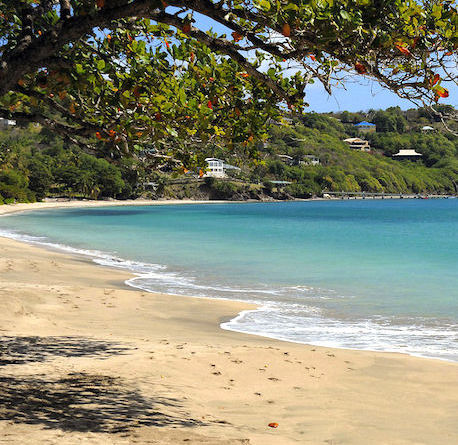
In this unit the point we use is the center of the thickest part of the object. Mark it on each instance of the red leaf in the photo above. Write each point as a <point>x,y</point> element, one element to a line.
<point>360,68</point>
<point>435,79</point>
<point>286,30</point>
<point>403,49</point>
<point>236,36</point>
<point>100,3</point>
<point>186,28</point>
<point>442,92</point>
<point>210,105</point>
<point>98,135</point>
<point>273,425</point>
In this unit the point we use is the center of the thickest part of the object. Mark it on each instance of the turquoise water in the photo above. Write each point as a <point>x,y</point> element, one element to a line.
<point>379,275</point>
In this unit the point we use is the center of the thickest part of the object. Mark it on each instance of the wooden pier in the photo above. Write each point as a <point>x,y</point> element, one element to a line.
<point>374,195</point>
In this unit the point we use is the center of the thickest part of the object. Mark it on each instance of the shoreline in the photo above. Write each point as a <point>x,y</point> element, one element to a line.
<point>93,257</point>
<point>54,203</point>
<point>109,363</point>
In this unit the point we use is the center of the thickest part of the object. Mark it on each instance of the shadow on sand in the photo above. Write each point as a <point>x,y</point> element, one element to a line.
<point>21,350</point>
<point>85,403</point>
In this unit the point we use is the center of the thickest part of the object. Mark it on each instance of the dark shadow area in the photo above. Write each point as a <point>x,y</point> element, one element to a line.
<point>85,403</point>
<point>20,350</point>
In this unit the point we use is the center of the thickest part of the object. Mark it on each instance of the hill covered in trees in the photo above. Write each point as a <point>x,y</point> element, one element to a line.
<point>342,168</point>
<point>35,163</point>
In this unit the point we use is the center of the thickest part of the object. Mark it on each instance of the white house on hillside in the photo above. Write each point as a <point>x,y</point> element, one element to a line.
<point>358,144</point>
<point>310,160</point>
<point>427,129</point>
<point>6,123</point>
<point>217,168</point>
<point>306,160</point>
<point>411,155</point>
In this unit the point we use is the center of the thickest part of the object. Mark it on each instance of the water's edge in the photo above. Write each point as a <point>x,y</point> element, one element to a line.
<point>142,270</point>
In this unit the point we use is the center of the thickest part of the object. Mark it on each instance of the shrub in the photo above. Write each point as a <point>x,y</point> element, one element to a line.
<point>13,192</point>
<point>223,190</point>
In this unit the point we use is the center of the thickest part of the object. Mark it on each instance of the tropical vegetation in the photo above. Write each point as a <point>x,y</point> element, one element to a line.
<point>115,75</point>
<point>36,163</point>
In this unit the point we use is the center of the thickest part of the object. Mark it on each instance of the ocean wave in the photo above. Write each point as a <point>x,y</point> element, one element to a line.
<point>290,313</point>
<point>421,337</point>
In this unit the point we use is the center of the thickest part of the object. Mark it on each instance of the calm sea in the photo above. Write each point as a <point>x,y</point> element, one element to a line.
<point>377,275</point>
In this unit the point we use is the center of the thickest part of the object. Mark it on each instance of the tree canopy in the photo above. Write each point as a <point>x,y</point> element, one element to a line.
<point>119,75</point>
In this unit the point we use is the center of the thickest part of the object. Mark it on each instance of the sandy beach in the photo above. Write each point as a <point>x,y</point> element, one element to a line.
<point>88,360</point>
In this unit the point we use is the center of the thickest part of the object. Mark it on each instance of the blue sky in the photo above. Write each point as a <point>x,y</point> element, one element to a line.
<point>362,94</point>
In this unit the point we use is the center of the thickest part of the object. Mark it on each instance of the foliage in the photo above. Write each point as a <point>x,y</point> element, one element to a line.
<point>343,169</point>
<point>116,75</point>
<point>34,165</point>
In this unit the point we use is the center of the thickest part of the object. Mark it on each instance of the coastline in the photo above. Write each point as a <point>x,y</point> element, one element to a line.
<point>231,385</point>
<point>62,204</point>
<point>51,203</point>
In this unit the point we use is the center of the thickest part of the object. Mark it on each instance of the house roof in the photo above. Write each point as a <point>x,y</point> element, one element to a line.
<point>407,153</point>
<point>427,127</point>
<point>285,156</point>
<point>352,140</point>
<point>225,166</point>
<point>230,167</point>
<point>365,124</point>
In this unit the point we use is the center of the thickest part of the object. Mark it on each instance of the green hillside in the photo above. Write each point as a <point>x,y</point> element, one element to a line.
<point>342,168</point>
<point>35,163</point>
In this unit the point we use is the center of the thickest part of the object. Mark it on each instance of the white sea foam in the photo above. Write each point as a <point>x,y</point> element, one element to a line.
<point>290,313</point>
